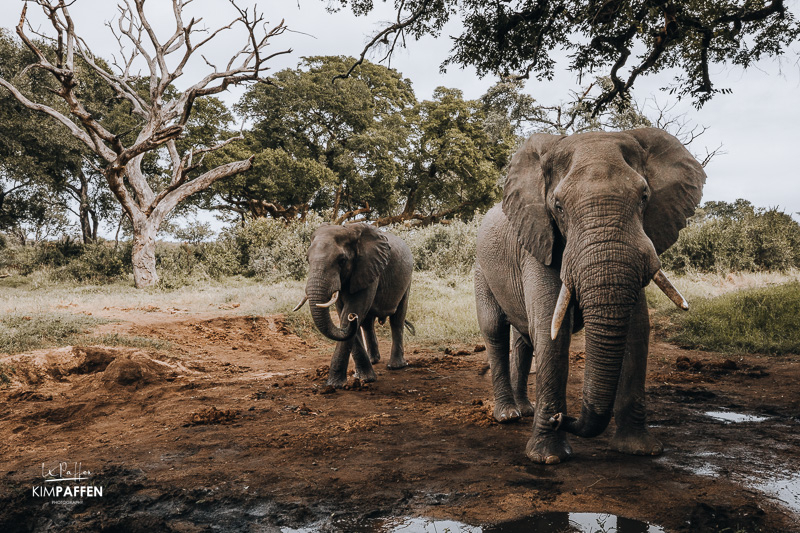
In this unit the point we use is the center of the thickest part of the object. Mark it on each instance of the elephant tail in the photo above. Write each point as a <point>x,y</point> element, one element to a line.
<point>410,327</point>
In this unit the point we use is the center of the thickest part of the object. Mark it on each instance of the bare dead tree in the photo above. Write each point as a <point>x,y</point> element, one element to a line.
<point>163,112</point>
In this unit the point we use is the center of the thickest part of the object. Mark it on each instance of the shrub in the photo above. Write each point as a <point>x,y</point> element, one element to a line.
<point>96,263</point>
<point>265,247</point>
<point>67,261</point>
<point>179,264</point>
<point>442,248</point>
<point>762,320</point>
<point>725,237</point>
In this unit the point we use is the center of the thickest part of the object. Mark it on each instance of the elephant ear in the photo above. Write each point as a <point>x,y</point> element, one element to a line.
<point>372,256</point>
<point>676,181</point>
<point>525,197</point>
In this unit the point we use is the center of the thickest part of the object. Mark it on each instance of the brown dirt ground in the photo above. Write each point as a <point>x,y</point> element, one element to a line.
<point>231,427</point>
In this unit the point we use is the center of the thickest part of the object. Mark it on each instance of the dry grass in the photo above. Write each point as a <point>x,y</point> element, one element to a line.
<point>441,308</point>
<point>696,286</point>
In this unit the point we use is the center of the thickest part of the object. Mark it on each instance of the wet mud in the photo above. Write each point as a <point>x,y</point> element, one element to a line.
<point>233,429</point>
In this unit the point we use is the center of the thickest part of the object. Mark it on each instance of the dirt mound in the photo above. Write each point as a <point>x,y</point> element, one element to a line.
<point>212,415</point>
<point>136,370</point>
<point>112,366</point>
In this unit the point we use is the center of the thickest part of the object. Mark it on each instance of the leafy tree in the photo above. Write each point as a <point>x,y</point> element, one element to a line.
<point>455,162</point>
<point>324,145</point>
<point>518,37</point>
<point>44,171</point>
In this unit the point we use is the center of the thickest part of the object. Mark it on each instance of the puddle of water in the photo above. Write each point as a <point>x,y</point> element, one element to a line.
<point>730,417</point>
<point>705,469</point>
<point>785,487</point>
<point>543,523</point>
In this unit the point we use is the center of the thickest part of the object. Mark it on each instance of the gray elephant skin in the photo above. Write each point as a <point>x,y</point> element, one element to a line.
<point>366,273</point>
<point>572,245</point>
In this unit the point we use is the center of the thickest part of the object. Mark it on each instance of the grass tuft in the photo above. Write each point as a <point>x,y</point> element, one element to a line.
<point>20,333</point>
<point>760,320</point>
<point>130,341</point>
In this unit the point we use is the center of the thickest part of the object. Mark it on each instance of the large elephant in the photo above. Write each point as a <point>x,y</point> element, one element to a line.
<point>573,244</point>
<point>366,273</point>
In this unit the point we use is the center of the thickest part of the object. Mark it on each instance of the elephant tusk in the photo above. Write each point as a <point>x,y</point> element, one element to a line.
<point>302,302</point>
<point>672,293</point>
<point>560,311</point>
<point>364,338</point>
<point>352,317</point>
<point>331,302</point>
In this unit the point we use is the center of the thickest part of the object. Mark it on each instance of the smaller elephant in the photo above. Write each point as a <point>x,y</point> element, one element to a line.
<point>366,273</point>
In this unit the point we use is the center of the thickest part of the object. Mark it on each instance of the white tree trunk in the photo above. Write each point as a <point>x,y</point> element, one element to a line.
<point>144,253</point>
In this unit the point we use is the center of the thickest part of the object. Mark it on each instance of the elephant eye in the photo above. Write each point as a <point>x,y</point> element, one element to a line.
<point>559,208</point>
<point>645,197</point>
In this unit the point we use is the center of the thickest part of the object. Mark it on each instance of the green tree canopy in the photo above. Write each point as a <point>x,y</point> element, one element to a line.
<point>455,160</point>
<point>325,145</point>
<point>621,38</point>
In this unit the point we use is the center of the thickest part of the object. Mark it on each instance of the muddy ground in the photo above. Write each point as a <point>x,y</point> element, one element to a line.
<point>230,428</point>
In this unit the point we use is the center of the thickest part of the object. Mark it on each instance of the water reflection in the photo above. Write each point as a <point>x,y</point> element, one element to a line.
<point>541,523</point>
<point>785,486</point>
<point>729,417</point>
<point>573,523</point>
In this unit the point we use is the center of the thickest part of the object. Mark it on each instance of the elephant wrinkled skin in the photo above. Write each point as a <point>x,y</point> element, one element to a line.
<point>585,217</point>
<point>366,273</point>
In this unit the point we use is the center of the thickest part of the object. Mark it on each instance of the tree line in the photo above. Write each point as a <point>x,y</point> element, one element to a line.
<point>93,139</point>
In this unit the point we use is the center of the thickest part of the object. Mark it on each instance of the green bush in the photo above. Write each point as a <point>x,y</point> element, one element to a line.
<point>763,320</point>
<point>95,263</point>
<point>179,264</point>
<point>67,261</point>
<point>724,237</point>
<point>443,249</point>
<point>266,248</point>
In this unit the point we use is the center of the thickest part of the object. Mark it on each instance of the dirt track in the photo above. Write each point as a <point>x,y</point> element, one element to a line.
<point>231,428</point>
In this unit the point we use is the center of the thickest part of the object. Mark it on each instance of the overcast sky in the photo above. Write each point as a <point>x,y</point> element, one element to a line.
<point>758,125</point>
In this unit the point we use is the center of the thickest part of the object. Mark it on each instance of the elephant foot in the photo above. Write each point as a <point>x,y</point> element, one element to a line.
<point>366,376</point>
<point>525,407</point>
<point>639,442</point>
<point>549,450</point>
<point>375,359</point>
<point>337,382</point>
<point>506,412</point>
<point>397,364</point>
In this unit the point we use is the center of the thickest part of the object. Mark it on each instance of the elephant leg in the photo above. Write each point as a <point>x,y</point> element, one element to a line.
<point>397,322</point>
<point>547,445</point>
<point>632,435</point>
<point>337,375</point>
<point>521,358</point>
<point>372,341</point>
<point>496,332</point>
<point>364,370</point>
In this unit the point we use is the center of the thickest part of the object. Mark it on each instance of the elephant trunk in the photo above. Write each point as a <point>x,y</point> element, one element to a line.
<point>607,295</point>
<point>319,292</point>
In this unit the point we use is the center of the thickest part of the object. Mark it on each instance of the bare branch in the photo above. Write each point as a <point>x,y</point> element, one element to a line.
<point>397,29</point>
<point>202,182</point>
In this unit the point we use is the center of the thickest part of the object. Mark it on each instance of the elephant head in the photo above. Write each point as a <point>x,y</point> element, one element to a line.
<point>347,260</point>
<point>601,207</point>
